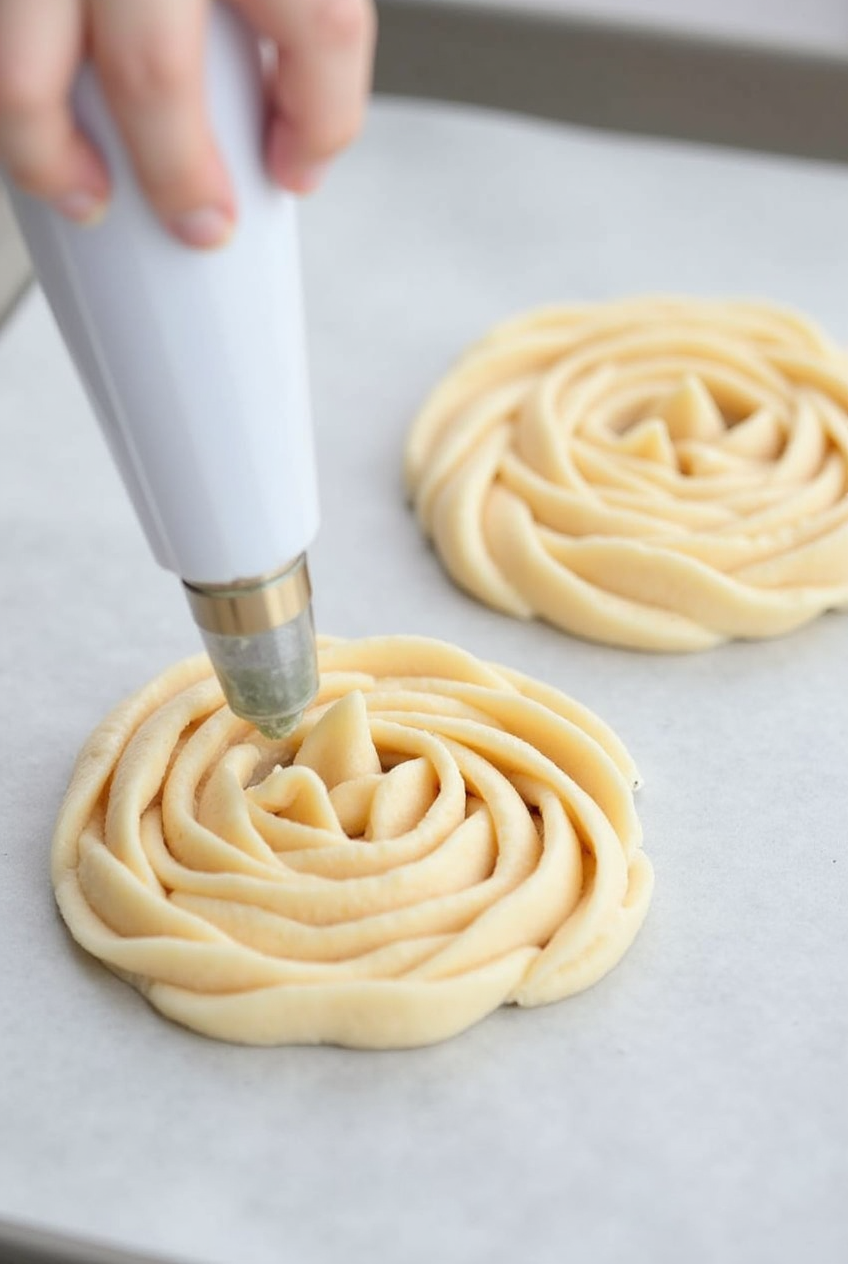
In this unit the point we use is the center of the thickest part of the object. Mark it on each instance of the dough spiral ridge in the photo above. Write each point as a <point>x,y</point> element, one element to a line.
<point>439,836</point>
<point>660,474</point>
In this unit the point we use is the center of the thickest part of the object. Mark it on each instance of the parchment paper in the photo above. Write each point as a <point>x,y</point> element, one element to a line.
<point>693,1106</point>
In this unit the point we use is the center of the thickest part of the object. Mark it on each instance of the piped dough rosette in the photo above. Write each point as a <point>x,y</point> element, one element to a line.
<point>661,474</point>
<point>438,837</point>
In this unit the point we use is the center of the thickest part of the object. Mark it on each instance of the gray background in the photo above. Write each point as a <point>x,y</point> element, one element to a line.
<point>812,23</point>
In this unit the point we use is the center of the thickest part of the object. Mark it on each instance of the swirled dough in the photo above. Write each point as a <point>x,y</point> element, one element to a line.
<point>439,837</point>
<point>661,474</point>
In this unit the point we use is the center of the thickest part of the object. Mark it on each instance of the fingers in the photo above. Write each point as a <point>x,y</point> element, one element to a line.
<point>44,152</point>
<point>319,91</point>
<point>149,56</point>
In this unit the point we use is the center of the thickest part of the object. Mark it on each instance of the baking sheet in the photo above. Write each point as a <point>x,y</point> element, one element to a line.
<point>817,24</point>
<point>14,265</point>
<point>690,1107</point>
<point>751,90</point>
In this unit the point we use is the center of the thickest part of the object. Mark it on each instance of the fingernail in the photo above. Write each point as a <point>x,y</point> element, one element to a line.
<point>82,207</point>
<point>301,179</point>
<point>308,178</point>
<point>204,228</point>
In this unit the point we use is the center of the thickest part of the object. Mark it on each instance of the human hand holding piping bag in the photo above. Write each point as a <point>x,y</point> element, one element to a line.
<point>149,58</point>
<point>194,359</point>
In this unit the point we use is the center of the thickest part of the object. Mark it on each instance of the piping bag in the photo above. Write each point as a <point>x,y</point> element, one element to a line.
<point>195,365</point>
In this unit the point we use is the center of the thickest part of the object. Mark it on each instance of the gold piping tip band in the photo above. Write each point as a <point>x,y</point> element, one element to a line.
<point>250,606</point>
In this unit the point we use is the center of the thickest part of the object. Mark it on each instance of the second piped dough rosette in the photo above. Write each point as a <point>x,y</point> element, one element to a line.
<point>661,474</point>
<point>438,837</point>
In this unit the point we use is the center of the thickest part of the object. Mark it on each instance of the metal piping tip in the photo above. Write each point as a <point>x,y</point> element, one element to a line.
<point>277,726</point>
<point>260,637</point>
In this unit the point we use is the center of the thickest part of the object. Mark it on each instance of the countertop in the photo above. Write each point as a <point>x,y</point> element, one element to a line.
<point>690,1107</point>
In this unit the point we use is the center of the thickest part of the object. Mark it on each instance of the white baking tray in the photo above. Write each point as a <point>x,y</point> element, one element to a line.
<point>692,1106</point>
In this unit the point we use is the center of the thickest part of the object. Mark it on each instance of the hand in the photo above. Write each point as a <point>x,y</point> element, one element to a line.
<point>149,57</point>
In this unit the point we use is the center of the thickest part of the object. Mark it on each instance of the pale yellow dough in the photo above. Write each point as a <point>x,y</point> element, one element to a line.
<point>662,474</point>
<point>439,837</point>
